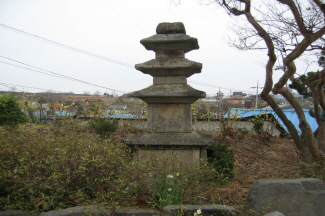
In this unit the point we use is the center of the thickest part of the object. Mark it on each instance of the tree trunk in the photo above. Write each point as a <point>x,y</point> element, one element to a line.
<point>321,138</point>
<point>306,132</point>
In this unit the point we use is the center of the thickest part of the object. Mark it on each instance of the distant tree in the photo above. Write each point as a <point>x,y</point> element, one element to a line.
<point>287,29</point>
<point>86,92</point>
<point>10,111</point>
<point>97,93</point>
<point>13,90</point>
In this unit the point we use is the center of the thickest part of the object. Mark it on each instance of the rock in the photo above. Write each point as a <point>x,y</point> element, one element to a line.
<point>18,213</point>
<point>292,197</point>
<point>275,213</point>
<point>131,211</point>
<point>207,210</point>
<point>79,211</point>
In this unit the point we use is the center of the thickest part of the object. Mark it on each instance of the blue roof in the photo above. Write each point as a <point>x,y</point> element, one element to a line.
<point>122,116</point>
<point>44,113</point>
<point>290,114</point>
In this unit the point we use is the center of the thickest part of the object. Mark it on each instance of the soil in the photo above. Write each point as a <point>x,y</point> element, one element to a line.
<point>257,157</point>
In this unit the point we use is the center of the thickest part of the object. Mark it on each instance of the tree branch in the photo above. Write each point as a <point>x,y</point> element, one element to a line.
<point>297,15</point>
<point>315,97</point>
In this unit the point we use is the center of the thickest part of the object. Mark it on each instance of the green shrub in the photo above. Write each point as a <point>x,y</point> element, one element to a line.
<point>10,111</point>
<point>190,181</point>
<point>258,122</point>
<point>222,159</point>
<point>104,127</point>
<point>60,166</point>
<point>167,191</point>
<point>311,170</point>
<point>63,165</point>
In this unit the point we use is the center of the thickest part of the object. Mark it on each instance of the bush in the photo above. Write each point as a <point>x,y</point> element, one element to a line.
<point>258,122</point>
<point>167,191</point>
<point>222,159</point>
<point>311,170</point>
<point>57,167</point>
<point>63,165</point>
<point>104,127</point>
<point>10,112</point>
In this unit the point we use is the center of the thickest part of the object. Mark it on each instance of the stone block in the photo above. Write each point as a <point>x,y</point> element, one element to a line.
<point>275,213</point>
<point>207,210</point>
<point>292,197</point>
<point>173,158</point>
<point>131,211</point>
<point>92,210</point>
<point>163,118</point>
<point>18,213</point>
<point>169,80</point>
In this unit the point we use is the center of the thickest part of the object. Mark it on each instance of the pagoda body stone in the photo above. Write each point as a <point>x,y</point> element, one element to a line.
<point>169,99</point>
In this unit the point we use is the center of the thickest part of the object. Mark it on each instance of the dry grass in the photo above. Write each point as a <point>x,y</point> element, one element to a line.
<point>255,159</point>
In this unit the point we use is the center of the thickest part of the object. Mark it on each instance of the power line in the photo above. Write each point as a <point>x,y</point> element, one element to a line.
<point>65,46</point>
<point>89,53</point>
<point>214,86</point>
<point>50,73</point>
<point>6,85</point>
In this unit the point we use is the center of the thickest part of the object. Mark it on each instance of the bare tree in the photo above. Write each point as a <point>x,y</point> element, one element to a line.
<point>86,92</point>
<point>287,30</point>
<point>97,93</point>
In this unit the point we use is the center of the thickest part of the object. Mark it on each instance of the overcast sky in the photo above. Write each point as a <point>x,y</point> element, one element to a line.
<point>112,29</point>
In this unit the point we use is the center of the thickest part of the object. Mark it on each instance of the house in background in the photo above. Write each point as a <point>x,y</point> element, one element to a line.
<point>57,107</point>
<point>237,99</point>
<point>117,109</point>
<point>120,111</point>
<point>99,101</point>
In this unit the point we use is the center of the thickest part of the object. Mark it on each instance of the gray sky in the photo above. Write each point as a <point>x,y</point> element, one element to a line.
<point>113,29</point>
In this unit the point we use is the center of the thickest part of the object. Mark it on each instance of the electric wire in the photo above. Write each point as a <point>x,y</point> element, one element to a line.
<point>50,73</point>
<point>89,54</point>
<point>8,86</point>
<point>66,46</point>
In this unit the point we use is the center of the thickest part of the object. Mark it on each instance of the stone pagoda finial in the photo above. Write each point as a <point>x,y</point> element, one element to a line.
<point>170,97</point>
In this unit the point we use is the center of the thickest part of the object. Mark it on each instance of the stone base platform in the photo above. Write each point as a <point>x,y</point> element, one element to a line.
<point>180,147</point>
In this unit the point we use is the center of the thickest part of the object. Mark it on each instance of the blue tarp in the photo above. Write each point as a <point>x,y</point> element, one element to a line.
<point>64,113</point>
<point>56,113</point>
<point>122,116</point>
<point>290,114</point>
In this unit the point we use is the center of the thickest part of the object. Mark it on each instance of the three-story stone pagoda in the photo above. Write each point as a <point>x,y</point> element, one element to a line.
<point>169,99</point>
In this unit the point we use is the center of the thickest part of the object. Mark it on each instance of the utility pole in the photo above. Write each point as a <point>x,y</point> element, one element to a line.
<point>256,93</point>
<point>219,97</point>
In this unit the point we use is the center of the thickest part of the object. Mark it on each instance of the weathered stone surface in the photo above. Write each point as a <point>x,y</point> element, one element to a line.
<point>170,28</point>
<point>170,140</point>
<point>168,54</point>
<point>164,118</point>
<point>207,210</point>
<point>169,94</point>
<point>172,158</point>
<point>18,213</point>
<point>160,42</point>
<point>292,197</point>
<point>275,213</point>
<point>131,211</point>
<point>170,67</point>
<point>161,80</point>
<point>79,211</point>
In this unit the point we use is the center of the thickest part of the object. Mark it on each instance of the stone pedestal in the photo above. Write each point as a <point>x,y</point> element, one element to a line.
<point>169,98</point>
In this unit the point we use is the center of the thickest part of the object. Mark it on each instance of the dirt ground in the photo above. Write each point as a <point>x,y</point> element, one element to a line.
<point>258,158</point>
